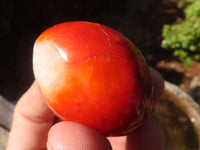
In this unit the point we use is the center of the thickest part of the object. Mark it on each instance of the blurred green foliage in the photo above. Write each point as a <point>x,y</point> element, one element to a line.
<point>184,36</point>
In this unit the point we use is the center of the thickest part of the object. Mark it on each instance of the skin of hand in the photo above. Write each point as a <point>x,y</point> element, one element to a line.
<point>34,128</point>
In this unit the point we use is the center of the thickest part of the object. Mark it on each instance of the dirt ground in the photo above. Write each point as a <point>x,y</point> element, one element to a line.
<point>141,21</point>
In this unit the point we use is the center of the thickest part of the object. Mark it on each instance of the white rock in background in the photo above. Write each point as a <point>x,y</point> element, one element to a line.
<point>3,138</point>
<point>6,115</point>
<point>195,82</point>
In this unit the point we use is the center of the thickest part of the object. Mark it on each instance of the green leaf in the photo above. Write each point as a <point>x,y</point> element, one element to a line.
<point>184,37</point>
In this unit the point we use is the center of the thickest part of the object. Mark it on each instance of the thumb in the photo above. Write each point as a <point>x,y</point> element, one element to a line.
<point>68,135</point>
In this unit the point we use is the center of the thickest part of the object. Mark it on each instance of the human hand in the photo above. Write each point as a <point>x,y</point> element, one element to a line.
<point>33,128</point>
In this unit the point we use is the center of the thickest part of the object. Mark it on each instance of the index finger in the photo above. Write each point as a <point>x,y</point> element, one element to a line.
<point>31,123</point>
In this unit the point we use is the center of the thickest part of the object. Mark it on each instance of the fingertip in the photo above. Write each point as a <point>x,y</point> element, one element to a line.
<point>71,135</point>
<point>33,105</point>
<point>158,84</point>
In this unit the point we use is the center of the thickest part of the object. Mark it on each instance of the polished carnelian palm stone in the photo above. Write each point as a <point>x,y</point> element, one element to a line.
<point>92,74</point>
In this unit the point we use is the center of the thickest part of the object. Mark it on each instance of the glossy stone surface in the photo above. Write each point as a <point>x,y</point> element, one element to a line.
<point>92,74</point>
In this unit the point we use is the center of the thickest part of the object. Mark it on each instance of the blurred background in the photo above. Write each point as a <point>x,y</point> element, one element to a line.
<point>22,21</point>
